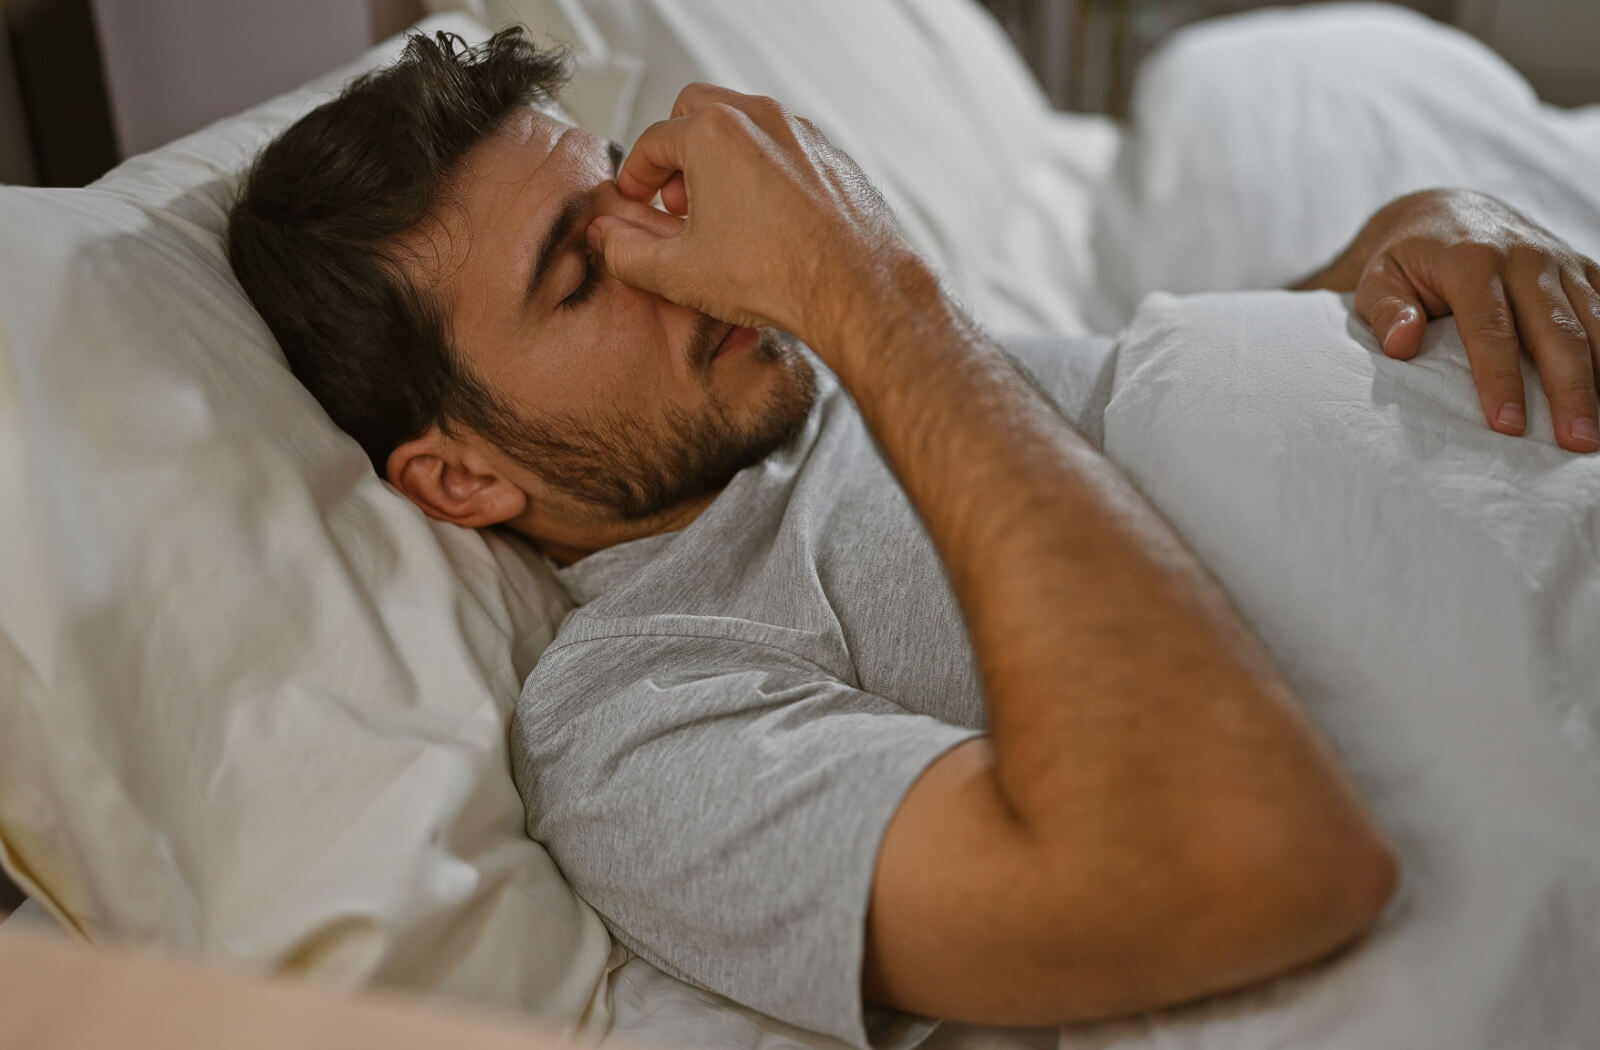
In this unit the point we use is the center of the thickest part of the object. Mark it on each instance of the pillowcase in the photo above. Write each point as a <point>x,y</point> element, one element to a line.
<point>1261,143</point>
<point>1431,589</point>
<point>253,704</point>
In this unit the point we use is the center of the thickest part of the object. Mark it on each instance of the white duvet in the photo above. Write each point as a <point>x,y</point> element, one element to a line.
<point>1432,590</point>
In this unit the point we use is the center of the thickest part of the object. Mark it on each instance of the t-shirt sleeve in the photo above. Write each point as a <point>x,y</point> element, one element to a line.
<point>721,804</point>
<point>1075,373</point>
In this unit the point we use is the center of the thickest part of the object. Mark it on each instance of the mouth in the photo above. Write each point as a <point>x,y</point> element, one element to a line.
<point>736,339</point>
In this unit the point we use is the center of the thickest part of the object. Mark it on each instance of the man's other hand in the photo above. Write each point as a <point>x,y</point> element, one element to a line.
<point>766,222</point>
<point>1512,286</point>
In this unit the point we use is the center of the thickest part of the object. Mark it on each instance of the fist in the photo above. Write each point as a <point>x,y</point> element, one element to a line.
<point>766,223</point>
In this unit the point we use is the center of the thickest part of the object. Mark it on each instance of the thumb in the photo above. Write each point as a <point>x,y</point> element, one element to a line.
<point>1391,307</point>
<point>632,254</point>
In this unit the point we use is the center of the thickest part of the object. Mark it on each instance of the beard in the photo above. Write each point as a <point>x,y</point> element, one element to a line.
<point>633,469</point>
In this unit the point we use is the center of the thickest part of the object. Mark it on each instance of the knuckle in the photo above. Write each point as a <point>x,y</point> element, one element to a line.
<point>1525,255</point>
<point>718,119</point>
<point>1582,294</point>
<point>722,112</point>
<point>1385,266</point>
<point>687,96</point>
<point>1493,327</point>
<point>1577,386</point>
<point>765,107</point>
<point>1568,327</point>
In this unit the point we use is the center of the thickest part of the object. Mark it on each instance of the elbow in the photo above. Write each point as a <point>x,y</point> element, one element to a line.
<point>1313,895</point>
<point>1366,884</point>
<point>1228,909</point>
<point>1204,927</point>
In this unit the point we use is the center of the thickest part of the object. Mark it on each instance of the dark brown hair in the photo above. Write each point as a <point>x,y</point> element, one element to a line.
<point>312,236</point>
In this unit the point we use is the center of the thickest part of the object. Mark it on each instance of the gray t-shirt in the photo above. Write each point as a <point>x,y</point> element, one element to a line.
<point>714,744</point>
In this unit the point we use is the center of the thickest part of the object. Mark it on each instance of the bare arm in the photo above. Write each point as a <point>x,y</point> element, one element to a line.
<point>1150,819</point>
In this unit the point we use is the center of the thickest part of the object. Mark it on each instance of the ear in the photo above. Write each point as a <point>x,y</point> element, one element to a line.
<point>452,482</point>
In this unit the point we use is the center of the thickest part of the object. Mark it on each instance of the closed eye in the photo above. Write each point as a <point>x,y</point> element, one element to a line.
<point>586,287</point>
<point>592,267</point>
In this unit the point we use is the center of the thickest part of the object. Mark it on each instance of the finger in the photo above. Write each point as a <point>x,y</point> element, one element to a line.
<point>639,214</point>
<point>1570,348</point>
<point>1484,319</point>
<point>1391,307</point>
<point>675,195</point>
<point>633,254</point>
<point>1591,314</point>
<point>666,147</point>
<point>695,97</point>
<point>1560,347</point>
<point>655,158</point>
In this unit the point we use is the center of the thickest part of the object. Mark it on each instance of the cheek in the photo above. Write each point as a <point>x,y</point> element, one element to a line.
<point>637,349</point>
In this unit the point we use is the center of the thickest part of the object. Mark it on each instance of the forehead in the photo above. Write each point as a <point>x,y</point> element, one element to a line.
<point>489,208</point>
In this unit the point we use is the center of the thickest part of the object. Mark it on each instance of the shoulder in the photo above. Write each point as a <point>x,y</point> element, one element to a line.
<point>597,661</point>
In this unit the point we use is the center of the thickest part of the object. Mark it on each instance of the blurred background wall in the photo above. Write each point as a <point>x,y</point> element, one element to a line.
<point>175,65</point>
<point>1085,51</point>
<point>86,82</point>
<point>16,153</point>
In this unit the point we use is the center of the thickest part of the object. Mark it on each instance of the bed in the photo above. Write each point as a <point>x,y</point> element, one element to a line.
<point>253,705</point>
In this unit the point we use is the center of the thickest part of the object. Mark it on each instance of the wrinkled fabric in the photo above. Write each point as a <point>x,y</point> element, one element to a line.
<point>253,704</point>
<point>1431,590</point>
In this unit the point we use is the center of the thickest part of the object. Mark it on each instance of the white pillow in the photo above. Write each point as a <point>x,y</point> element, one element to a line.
<point>1432,590</point>
<point>1261,143</point>
<point>603,86</point>
<point>253,704</point>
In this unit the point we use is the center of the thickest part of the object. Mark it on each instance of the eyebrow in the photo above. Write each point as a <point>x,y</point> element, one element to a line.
<point>554,238</point>
<point>561,229</point>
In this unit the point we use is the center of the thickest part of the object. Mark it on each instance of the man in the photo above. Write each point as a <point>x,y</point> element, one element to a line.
<point>883,686</point>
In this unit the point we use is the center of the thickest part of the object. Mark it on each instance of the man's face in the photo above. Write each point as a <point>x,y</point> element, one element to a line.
<point>624,404</point>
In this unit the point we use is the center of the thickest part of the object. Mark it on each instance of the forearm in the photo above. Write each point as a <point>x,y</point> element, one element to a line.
<point>1112,666</point>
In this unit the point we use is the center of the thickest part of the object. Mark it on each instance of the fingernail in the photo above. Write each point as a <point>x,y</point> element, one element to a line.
<point>1407,315</point>
<point>1586,432</point>
<point>1511,417</point>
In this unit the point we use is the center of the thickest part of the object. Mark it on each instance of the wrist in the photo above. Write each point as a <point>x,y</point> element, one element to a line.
<point>893,286</point>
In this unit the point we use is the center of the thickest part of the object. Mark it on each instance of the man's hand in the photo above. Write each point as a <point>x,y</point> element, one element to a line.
<point>796,231</point>
<point>1512,285</point>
